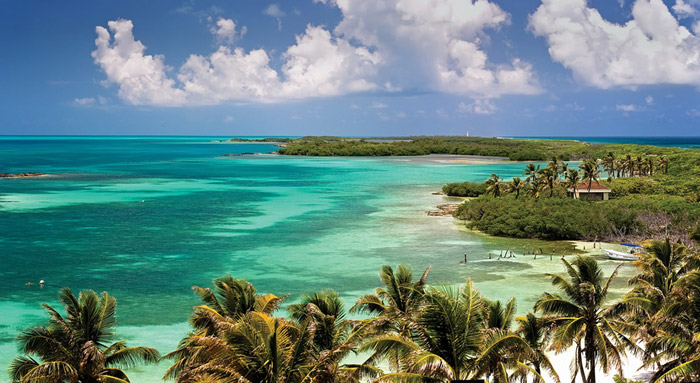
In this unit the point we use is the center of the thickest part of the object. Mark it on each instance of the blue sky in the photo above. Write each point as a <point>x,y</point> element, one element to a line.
<point>351,67</point>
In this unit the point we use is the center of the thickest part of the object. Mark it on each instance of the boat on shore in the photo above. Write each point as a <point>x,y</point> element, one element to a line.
<point>631,255</point>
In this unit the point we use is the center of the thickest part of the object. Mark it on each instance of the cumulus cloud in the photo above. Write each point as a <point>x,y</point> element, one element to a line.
<point>479,106</point>
<point>225,31</point>
<point>317,65</point>
<point>686,9</point>
<point>382,45</point>
<point>651,48</point>
<point>274,10</point>
<point>649,100</point>
<point>142,79</point>
<point>436,44</point>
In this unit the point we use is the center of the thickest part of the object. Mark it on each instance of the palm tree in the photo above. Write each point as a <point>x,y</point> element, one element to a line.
<point>535,331</point>
<point>76,348</point>
<point>531,171</point>
<point>396,305</point>
<point>579,318</point>
<point>663,163</point>
<point>500,316</point>
<point>650,163</point>
<point>515,186</point>
<point>554,164</point>
<point>609,163</point>
<point>449,342</point>
<point>494,185</point>
<point>657,287</point>
<point>563,168</point>
<point>334,336</point>
<point>591,172</point>
<point>639,163</point>
<point>255,348</point>
<point>629,163</point>
<point>573,179</point>
<point>619,167</point>
<point>536,186</point>
<point>231,300</point>
<point>549,176</point>
<point>678,343</point>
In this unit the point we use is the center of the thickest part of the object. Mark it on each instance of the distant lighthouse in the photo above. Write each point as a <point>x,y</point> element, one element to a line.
<point>467,133</point>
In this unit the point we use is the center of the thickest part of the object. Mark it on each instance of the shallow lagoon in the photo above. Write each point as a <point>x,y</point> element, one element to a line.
<point>288,224</point>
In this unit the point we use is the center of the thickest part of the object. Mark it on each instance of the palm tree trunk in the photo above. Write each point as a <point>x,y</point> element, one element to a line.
<point>580,364</point>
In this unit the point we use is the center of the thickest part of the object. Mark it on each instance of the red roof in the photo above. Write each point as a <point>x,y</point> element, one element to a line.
<point>594,186</point>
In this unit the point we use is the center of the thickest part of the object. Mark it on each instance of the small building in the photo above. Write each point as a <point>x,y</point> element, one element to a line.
<point>597,192</point>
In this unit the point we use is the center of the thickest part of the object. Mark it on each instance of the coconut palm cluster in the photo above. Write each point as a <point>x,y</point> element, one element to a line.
<point>406,331</point>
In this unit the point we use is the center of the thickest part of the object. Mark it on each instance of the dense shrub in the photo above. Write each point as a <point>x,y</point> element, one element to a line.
<point>464,189</point>
<point>567,218</point>
<point>519,150</point>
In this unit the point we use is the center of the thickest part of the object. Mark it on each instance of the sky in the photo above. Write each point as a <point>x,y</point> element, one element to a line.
<point>350,67</point>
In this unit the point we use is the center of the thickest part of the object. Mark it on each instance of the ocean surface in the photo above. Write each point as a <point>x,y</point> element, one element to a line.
<point>146,218</point>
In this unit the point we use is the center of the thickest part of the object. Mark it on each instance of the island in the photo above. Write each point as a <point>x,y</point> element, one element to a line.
<point>578,191</point>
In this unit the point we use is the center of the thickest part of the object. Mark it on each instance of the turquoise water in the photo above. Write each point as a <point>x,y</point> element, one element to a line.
<point>288,224</point>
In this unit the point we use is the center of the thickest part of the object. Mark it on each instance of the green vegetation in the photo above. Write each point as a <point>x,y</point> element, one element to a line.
<point>76,348</point>
<point>650,198</point>
<point>632,217</point>
<point>415,331</point>
<point>464,189</point>
<point>513,149</point>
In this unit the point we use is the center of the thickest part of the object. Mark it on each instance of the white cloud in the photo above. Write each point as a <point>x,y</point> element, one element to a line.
<point>684,9</point>
<point>651,48</point>
<point>141,78</point>
<point>628,108</point>
<point>649,100</point>
<point>479,106</point>
<point>322,65</point>
<point>405,45</point>
<point>84,101</point>
<point>378,105</point>
<point>436,44</point>
<point>225,31</point>
<point>317,65</point>
<point>229,119</point>
<point>274,10</point>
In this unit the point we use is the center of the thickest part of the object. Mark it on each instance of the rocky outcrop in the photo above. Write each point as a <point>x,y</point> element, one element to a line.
<point>21,175</point>
<point>444,209</point>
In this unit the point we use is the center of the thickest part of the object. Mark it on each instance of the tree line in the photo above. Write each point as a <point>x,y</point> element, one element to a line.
<point>412,332</point>
<point>558,173</point>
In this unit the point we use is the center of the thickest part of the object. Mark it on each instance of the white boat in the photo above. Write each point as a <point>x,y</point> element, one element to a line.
<point>620,256</point>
